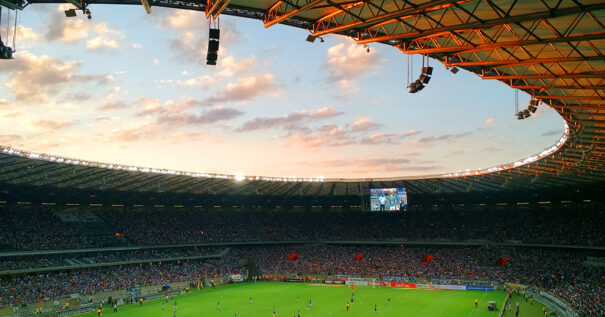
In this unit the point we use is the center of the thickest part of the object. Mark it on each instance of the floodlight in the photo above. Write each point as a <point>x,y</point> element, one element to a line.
<point>526,113</point>
<point>311,38</point>
<point>520,115</point>
<point>70,13</point>
<point>427,70</point>
<point>532,108</point>
<point>534,102</point>
<point>454,70</point>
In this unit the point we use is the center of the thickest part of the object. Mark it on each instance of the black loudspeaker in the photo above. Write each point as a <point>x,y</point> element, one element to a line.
<point>425,78</point>
<point>213,46</point>
<point>5,52</point>
<point>215,34</point>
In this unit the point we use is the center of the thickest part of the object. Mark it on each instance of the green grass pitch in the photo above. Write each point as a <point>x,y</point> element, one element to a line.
<point>327,301</point>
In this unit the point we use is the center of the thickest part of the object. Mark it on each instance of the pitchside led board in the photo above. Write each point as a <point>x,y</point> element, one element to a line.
<point>388,199</point>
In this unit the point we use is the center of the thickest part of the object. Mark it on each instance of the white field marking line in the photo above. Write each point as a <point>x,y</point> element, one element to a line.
<point>480,299</point>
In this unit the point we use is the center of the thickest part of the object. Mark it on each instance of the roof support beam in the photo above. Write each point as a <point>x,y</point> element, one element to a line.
<point>559,87</point>
<point>570,97</point>
<point>146,5</point>
<point>488,23</point>
<point>215,7</point>
<point>283,10</point>
<point>538,76</point>
<point>425,7</point>
<point>491,46</point>
<point>513,63</point>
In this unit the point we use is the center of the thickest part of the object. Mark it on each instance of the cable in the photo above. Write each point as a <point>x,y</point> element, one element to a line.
<point>15,31</point>
<point>8,23</point>
<point>516,101</point>
<point>0,23</point>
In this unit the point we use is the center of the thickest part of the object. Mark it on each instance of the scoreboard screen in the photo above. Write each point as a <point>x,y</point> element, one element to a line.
<point>388,199</point>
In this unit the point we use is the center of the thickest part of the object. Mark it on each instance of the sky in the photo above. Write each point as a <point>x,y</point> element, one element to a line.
<point>130,88</point>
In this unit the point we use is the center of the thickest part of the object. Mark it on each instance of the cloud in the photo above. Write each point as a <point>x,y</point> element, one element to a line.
<point>291,121</point>
<point>37,79</point>
<point>410,133</point>
<point>489,121</point>
<point>553,133</point>
<point>328,135</point>
<point>349,61</point>
<point>190,41</point>
<point>106,38</point>
<point>115,105</point>
<point>136,132</point>
<point>50,125</point>
<point>245,89</point>
<point>346,62</point>
<point>207,117</point>
<point>443,137</point>
<point>25,33</point>
<point>365,124</point>
<point>179,114</point>
<point>71,30</point>
<point>389,165</point>
<point>380,138</point>
<point>7,139</point>
<point>78,96</point>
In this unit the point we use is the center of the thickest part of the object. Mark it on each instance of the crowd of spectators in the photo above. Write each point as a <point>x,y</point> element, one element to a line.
<point>36,228</point>
<point>24,262</point>
<point>46,286</point>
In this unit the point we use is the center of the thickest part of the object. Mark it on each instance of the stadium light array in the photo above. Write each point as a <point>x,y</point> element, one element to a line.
<point>531,108</point>
<point>424,78</point>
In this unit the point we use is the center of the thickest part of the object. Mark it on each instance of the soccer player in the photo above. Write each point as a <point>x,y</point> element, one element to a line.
<point>115,307</point>
<point>163,305</point>
<point>375,308</point>
<point>347,306</point>
<point>299,313</point>
<point>174,305</point>
<point>382,200</point>
<point>297,300</point>
<point>218,305</point>
<point>250,300</point>
<point>389,301</point>
<point>141,301</point>
<point>476,302</point>
<point>273,311</point>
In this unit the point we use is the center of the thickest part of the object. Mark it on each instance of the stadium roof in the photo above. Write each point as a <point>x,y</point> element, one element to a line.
<point>553,50</point>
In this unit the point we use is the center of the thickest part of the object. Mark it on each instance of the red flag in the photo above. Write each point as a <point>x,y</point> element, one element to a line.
<point>502,261</point>
<point>428,258</point>
<point>358,256</point>
<point>293,256</point>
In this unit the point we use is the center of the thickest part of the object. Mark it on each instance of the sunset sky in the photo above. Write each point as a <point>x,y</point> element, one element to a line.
<point>131,88</point>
